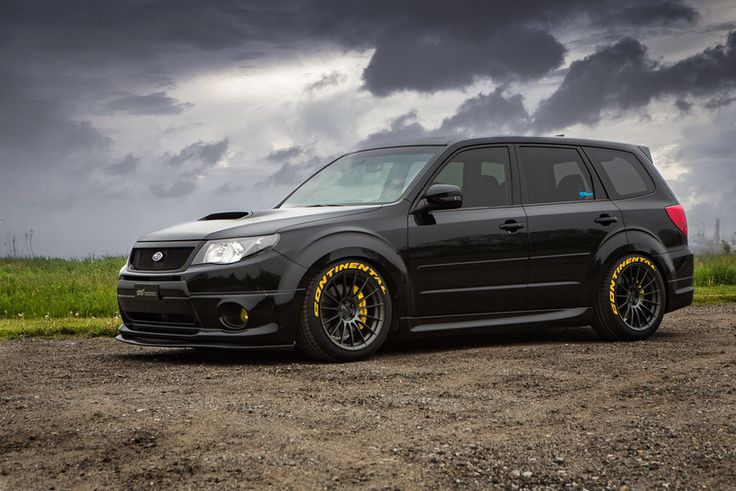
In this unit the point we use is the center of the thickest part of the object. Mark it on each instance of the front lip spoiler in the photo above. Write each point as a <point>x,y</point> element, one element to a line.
<point>187,344</point>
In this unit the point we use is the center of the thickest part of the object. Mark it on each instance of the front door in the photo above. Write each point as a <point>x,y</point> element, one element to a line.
<point>471,260</point>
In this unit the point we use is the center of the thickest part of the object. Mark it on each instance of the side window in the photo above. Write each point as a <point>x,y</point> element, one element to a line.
<point>621,172</point>
<point>554,175</point>
<point>451,174</point>
<point>483,174</point>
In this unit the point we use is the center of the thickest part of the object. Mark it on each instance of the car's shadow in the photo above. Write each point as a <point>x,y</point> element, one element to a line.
<point>521,337</point>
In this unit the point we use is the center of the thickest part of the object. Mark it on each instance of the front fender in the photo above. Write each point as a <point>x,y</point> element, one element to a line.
<point>319,251</point>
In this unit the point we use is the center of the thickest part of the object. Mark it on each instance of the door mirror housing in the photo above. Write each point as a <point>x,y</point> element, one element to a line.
<point>440,197</point>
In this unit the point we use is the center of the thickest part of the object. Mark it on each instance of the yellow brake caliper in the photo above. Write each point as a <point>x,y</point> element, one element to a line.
<point>362,307</point>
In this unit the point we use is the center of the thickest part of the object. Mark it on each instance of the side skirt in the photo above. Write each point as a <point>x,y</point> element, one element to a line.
<point>482,322</point>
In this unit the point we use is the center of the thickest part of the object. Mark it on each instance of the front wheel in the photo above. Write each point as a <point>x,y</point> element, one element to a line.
<point>631,303</point>
<point>346,314</point>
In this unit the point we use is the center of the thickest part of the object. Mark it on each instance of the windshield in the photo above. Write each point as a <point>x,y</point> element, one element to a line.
<point>370,177</point>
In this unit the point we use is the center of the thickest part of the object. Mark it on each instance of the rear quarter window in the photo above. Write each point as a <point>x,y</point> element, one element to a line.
<point>623,175</point>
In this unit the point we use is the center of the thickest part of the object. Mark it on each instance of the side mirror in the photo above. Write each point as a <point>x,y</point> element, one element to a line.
<point>440,197</point>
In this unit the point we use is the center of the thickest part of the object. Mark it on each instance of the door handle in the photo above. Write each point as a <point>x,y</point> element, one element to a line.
<point>605,219</point>
<point>511,226</point>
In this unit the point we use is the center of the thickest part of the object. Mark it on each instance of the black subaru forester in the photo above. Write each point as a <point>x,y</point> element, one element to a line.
<point>423,238</point>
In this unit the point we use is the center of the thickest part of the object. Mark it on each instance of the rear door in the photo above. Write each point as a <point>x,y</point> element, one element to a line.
<point>471,260</point>
<point>569,216</point>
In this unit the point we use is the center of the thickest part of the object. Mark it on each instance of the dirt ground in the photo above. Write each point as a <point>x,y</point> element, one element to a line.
<point>534,409</point>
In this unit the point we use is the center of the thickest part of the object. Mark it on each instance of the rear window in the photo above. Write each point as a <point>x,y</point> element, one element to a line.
<point>621,172</point>
<point>554,175</point>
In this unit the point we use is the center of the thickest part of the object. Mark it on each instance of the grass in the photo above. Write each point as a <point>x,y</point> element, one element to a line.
<point>40,287</point>
<point>51,297</point>
<point>715,279</point>
<point>715,270</point>
<point>708,295</point>
<point>77,326</point>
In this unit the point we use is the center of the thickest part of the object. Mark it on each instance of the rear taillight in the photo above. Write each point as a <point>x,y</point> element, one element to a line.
<point>677,215</point>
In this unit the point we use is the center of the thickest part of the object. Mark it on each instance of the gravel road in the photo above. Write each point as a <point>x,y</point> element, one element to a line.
<point>550,409</point>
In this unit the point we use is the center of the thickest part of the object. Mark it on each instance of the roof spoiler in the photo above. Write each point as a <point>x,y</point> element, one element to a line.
<point>647,152</point>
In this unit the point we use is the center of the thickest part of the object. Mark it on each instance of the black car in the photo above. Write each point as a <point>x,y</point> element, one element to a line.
<point>423,238</point>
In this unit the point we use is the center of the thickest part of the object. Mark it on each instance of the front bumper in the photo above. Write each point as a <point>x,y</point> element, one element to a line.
<point>186,309</point>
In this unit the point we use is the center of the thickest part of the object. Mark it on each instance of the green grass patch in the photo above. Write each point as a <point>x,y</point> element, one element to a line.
<point>715,270</point>
<point>72,326</point>
<point>705,295</point>
<point>51,297</point>
<point>59,288</point>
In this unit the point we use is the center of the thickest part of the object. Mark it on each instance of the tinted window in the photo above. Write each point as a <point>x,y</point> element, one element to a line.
<point>555,174</point>
<point>622,173</point>
<point>483,174</point>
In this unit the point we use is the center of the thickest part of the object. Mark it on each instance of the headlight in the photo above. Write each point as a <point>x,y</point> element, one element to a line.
<point>229,251</point>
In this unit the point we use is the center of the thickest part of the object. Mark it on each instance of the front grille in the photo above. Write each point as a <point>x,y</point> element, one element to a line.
<point>174,258</point>
<point>161,324</point>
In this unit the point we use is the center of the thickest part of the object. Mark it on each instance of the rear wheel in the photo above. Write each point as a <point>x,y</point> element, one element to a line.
<point>631,303</point>
<point>346,314</point>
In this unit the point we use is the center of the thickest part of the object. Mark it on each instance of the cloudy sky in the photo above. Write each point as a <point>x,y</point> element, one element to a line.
<point>117,118</point>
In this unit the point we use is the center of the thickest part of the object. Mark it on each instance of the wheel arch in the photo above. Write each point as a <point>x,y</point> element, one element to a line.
<point>624,243</point>
<point>358,245</point>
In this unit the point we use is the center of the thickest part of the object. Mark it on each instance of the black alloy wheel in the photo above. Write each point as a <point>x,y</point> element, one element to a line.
<point>352,310</point>
<point>638,297</point>
<point>632,300</point>
<point>347,312</point>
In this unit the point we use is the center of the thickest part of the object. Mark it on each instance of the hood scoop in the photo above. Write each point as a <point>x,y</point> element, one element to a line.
<point>225,215</point>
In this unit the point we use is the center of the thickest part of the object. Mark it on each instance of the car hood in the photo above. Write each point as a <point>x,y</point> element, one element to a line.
<point>255,223</point>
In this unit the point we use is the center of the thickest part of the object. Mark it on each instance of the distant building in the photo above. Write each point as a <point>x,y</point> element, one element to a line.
<point>701,244</point>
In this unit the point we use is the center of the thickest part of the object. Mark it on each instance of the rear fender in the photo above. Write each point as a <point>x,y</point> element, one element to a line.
<point>621,244</point>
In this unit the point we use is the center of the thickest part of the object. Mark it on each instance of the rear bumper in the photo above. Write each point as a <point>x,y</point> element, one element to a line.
<point>678,268</point>
<point>185,309</point>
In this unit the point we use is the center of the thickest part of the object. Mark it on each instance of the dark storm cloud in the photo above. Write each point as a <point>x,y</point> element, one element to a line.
<point>621,76</point>
<point>404,127</point>
<point>638,13</point>
<point>326,80</point>
<point>125,166</point>
<point>290,174</point>
<point>199,156</point>
<point>611,77</point>
<point>154,103</point>
<point>485,114</point>
<point>683,106</point>
<point>430,45</point>
<point>488,113</point>
<point>288,153</point>
<point>412,62</point>
<point>469,40</point>
<point>190,164</point>
<point>719,102</point>
<point>33,126</point>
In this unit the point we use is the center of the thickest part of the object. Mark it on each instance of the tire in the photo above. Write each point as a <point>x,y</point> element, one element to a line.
<point>347,312</point>
<point>631,302</point>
